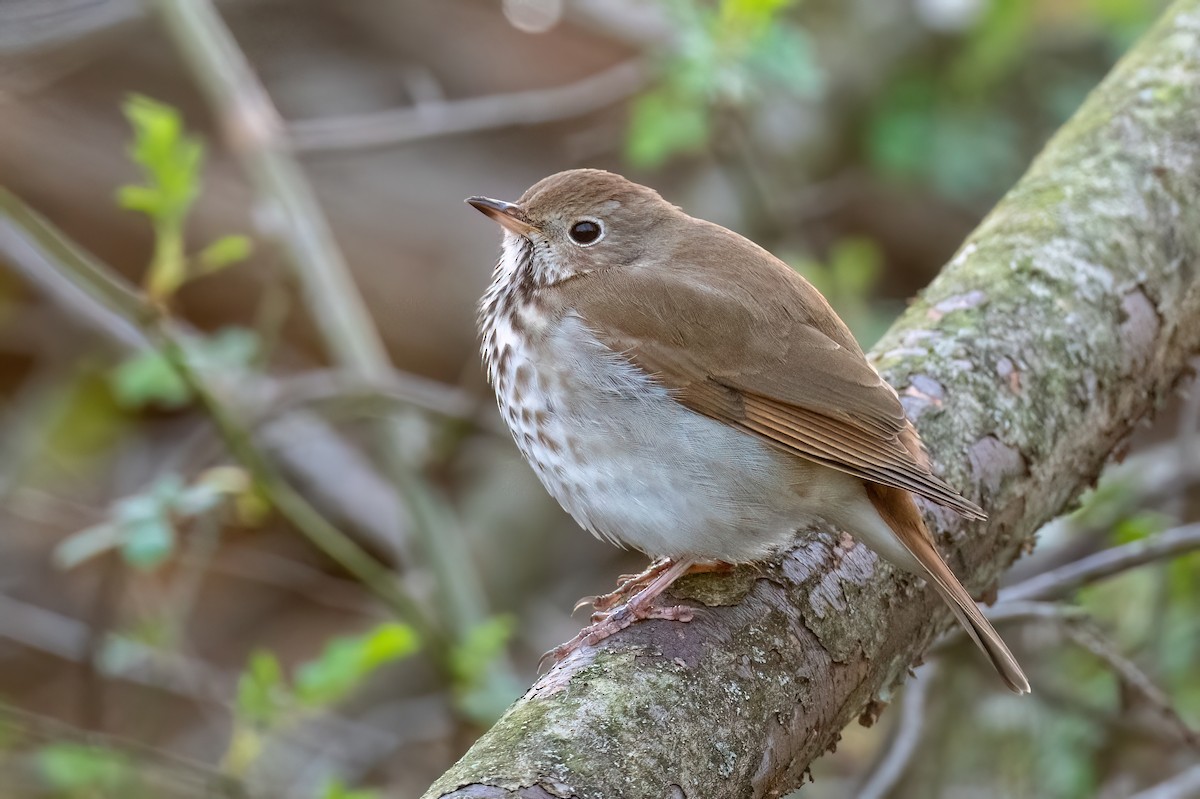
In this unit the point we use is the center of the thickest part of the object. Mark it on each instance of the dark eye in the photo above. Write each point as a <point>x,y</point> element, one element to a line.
<point>585,232</point>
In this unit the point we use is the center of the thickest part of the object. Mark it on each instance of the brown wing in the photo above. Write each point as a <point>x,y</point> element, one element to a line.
<point>778,363</point>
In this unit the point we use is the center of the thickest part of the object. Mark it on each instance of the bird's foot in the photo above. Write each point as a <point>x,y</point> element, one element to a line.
<point>638,606</point>
<point>629,584</point>
<point>607,623</point>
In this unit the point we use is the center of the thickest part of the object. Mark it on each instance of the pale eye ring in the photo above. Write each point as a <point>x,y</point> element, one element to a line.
<point>586,232</point>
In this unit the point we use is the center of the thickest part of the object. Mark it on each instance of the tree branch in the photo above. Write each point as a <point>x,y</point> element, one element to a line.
<point>1057,583</point>
<point>473,115</point>
<point>1066,317</point>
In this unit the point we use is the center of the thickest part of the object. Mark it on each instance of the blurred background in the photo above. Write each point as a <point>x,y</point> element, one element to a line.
<point>174,622</point>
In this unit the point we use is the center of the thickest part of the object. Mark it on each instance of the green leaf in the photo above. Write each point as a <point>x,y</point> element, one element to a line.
<point>75,767</point>
<point>261,692</point>
<point>1140,525</point>
<point>224,252</point>
<point>87,544</point>
<point>146,543</point>
<point>856,264</point>
<point>169,159</point>
<point>346,662</point>
<point>148,379</point>
<point>481,645</point>
<point>662,125</point>
<point>144,199</point>
<point>229,349</point>
<point>335,789</point>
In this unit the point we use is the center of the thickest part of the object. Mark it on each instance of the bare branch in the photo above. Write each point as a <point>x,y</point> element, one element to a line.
<point>431,119</point>
<point>906,738</point>
<point>1132,676</point>
<point>1060,582</point>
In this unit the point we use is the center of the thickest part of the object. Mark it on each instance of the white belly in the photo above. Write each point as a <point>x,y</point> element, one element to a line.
<point>635,467</point>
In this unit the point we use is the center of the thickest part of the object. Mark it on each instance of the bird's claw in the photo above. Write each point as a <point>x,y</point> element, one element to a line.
<point>605,624</point>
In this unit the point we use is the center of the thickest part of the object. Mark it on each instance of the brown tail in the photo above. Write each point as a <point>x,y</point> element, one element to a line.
<point>900,512</point>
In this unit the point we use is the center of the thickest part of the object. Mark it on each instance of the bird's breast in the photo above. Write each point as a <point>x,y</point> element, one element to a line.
<point>626,460</point>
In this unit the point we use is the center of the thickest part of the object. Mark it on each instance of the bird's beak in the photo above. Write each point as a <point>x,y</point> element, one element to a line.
<point>508,215</point>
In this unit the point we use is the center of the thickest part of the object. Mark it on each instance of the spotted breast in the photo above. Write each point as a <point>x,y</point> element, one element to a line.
<point>626,461</point>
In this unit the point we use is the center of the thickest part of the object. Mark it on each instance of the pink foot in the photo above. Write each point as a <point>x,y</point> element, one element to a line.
<point>639,606</point>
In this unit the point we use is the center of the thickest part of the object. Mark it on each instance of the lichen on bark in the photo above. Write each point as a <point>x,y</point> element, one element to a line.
<point>1064,319</point>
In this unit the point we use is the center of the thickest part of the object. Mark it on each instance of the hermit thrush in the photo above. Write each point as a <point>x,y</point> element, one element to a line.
<point>681,391</point>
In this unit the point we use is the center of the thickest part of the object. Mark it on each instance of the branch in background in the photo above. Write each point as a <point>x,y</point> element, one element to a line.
<point>92,279</point>
<point>1131,676</point>
<point>318,739</point>
<point>254,130</point>
<point>1060,582</point>
<point>91,293</point>
<point>427,120</point>
<point>906,738</point>
<point>170,772</point>
<point>300,513</point>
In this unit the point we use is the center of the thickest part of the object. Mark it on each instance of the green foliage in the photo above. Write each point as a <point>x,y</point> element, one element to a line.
<point>262,693</point>
<point>171,162</point>
<point>147,379</point>
<point>335,789</point>
<point>963,149</point>
<point>144,526</point>
<point>469,663</point>
<point>267,702</point>
<point>346,662</point>
<point>77,770</point>
<point>265,698</point>
<point>966,119</point>
<point>729,53</point>
<point>1140,525</point>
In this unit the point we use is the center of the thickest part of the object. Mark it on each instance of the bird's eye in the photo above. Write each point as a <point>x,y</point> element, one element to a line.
<point>586,232</point>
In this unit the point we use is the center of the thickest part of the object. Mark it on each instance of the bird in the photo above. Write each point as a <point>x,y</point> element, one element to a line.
<point>681,391</point>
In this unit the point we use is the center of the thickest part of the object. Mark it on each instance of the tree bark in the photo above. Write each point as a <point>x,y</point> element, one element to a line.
<point>1067,317</point>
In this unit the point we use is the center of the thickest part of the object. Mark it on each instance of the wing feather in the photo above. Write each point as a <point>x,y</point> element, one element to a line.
<point>777,361</point>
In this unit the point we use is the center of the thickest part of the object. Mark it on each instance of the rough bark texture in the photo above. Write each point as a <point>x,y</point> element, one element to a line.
<point>1067,317</point>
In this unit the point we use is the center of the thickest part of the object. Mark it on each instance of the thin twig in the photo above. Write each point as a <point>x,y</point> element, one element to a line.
<point>34,728</point>
<point>1059,582</point>
<point>474,115</point>
<point>906,738</point>
<point>327,386</point>
<point>1131,675</point>
<point>1076,625</point>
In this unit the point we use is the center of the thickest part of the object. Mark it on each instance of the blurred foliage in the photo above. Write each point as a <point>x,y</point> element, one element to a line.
<point>144,527</point>
<point>269,703</point>
<point>171,162</point>
<point>77,771</point>
<point>470,660</point>
<point>729,53</point>
<point>148,379</point>
<point>966,119</point>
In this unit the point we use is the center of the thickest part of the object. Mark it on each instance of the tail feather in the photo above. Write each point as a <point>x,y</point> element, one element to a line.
<point>899,512</point>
